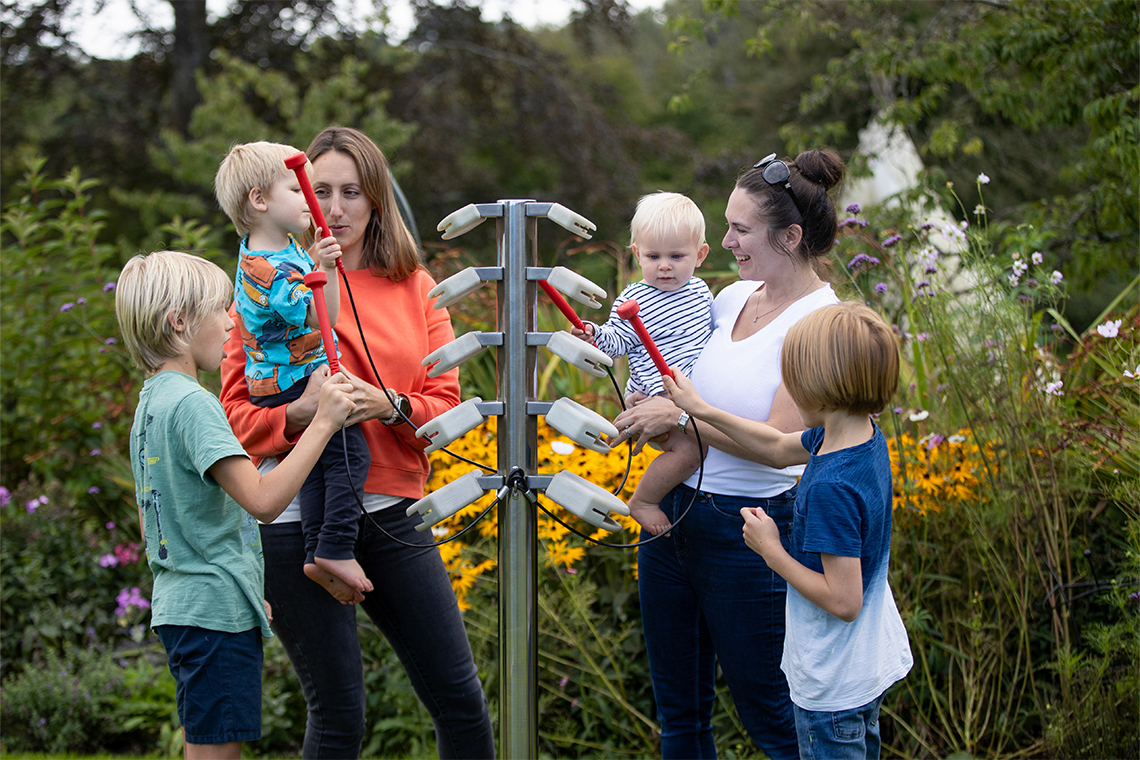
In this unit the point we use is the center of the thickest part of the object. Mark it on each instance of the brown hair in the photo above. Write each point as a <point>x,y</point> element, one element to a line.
<point>389,248</point>
<point>813,174</point>
<point>842,356</point>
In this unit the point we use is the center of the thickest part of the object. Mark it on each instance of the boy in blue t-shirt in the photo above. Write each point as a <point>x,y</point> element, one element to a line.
<point>845,642</point>
<point>279,326</point>
<point>208,603</point>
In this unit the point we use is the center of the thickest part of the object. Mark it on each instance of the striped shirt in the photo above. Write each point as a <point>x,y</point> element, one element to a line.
<point>680,323</point>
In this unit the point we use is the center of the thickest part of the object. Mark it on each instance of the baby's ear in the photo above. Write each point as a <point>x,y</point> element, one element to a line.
<point>257,199</point>
<point>702,252</point>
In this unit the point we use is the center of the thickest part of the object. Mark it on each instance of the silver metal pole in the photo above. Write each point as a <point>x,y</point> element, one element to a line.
<point>518,441</point>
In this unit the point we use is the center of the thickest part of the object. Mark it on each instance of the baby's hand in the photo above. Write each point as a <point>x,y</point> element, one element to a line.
<point>325,252</point>
<point>586,334</point>
<point>681,391</point>
<point>336,399</point>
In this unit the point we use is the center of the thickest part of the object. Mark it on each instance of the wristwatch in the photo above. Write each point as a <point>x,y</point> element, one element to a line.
<point>682,421</point>
<point>401,408</point>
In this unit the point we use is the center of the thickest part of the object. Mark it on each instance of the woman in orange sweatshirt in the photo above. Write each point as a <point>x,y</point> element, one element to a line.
<point>412,604</point>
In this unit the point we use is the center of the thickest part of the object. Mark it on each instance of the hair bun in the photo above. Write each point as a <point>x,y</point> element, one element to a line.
<point>823,167</point>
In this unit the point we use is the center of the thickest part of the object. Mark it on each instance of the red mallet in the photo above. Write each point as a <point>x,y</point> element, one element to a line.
<point>562,304</point>
<point>628,312</point>
<point>297,162</point>
<point>316,282</point>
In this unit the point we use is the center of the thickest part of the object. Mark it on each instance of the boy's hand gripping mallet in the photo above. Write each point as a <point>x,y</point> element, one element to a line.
<point>297,162</point>
<point>316,279</point>
<point>628,312</point>
<point>562,304</point>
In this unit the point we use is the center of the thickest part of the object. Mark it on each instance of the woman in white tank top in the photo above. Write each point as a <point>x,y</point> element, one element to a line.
<point>705,596</point>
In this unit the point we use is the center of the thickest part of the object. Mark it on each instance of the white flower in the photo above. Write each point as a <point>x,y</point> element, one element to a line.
<point>979,210</point>
<point>919,416</point>
<point>1015,255</point>
<point>1054,389</point>
<point>562,447</point>
<point>1037,257</point>
<point>1020,268</point>
<point>1013,280</point>
<point>1109,329</point>
<point>1056,277</point>
<point>983,179</point>
<point>1135,374</point>
<point>957,439</point>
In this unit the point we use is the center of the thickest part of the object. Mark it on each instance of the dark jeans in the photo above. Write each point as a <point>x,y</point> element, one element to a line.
<point>413,606</point>
<point>329,511</point>
<point>706,597</point>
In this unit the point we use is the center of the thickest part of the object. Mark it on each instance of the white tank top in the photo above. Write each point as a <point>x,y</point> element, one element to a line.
<point>741,377</point>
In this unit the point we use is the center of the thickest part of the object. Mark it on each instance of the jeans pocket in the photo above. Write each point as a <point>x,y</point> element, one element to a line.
<point>848,725</point>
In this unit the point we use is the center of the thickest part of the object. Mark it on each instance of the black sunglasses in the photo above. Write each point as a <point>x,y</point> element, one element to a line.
<point>776,172</point>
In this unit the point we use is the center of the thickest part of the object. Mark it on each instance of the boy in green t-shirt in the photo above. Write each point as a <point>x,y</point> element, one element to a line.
<point>208,606</point>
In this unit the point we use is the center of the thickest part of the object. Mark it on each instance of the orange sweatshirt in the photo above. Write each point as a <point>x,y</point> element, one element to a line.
<point>401,328</point>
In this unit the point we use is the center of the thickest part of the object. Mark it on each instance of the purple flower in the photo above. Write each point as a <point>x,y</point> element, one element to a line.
<point>110,341</point>
<point>934,441</point>
<point>67,307</point>
<point>80,301</point>
<point>96,452</point>
<point>108,560</point>
<point>897,410</point>
<point>881,288</point>
<point>853,208</point>
<point>861,259</point>
<point>108,287</point>
<point>891,240</point>
<point>33,505</point>
<point>562,683</point>
<point>5,496</point>
<point>93,490</point>
<point>96,425</point>
<point>41,721</point>
<point>927,226</point>
<point>110,526</point>
<point>130,598</point>
<point>1134,596</point>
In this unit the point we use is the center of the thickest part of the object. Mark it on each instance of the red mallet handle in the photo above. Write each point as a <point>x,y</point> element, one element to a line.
<point>297,162</point>
<point>562,305</point>
<point>628,312</point>
<point>316,281</point>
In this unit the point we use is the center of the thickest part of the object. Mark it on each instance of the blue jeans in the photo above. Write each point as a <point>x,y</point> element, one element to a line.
<point>706,597</point>
<point>842,735</point>
<point>413,606</point>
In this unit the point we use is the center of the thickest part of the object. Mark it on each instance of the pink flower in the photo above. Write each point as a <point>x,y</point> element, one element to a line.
<point>5,496</point>
<point>108,560</point>
<point>110,526</point>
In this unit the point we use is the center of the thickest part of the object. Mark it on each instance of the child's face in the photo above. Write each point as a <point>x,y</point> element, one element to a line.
<point>286,209</point>
<point>667,261</point>
<point>207,347</point>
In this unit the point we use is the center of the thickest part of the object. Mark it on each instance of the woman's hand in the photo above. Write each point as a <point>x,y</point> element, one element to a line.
<point>371,402</point>
<point>650,418</point>
<point>299,413</point>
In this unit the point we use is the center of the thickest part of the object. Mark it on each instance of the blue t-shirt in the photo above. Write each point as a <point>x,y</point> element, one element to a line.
<point>843,508</point>
<point>273,301</point>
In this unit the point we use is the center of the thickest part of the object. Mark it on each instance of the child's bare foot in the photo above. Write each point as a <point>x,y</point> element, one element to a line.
<point>649,516</point>
<point>348,570</point>
<point>340,590</point>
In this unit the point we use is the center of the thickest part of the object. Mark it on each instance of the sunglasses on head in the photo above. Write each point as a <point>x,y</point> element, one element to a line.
<point>776,172</point>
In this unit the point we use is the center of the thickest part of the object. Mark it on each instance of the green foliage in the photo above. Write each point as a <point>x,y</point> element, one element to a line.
<point>87,699</point>
<point>62,575</point>
<point>65,378</point>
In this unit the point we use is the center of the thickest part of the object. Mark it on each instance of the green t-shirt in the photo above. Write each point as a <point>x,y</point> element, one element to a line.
<point>204,550</point>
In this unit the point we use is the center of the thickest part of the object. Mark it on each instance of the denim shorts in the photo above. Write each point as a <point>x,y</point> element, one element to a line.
<point>217,679</point>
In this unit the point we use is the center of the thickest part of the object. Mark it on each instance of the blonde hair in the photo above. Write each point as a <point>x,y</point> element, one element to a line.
<point>154,287</point>
<point>246,166</point>
<point>389,248</point>
<point>667,214</point>
<point>842,356</point>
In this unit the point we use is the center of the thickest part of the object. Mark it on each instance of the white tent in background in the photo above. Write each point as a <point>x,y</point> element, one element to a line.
<point>895,165</point>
